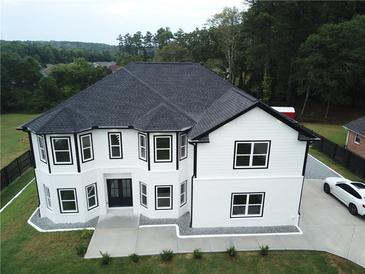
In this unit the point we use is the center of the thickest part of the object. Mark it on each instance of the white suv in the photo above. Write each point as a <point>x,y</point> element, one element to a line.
<point>352,194</point>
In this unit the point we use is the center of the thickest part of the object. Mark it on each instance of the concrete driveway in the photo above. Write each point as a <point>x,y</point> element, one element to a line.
<point>326,223</point>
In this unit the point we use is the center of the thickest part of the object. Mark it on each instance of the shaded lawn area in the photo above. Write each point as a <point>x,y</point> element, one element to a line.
<point>24,250</point>
<point>334,132</point>
<point>335,166</point>
<point>13,142</point>
<point>14,187</point>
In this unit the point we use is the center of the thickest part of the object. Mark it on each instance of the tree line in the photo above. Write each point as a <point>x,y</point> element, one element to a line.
<point>285,52</point>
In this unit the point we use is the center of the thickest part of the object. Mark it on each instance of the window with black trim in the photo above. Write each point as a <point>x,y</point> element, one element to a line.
<point>163,148</point>
<point>68,200</point>
<point>143,194</point>
<point>247,204</point>
<point>61,148</point>
<point>142,146</point>
<point>42,148</point>
<point>183,146</point>
<point>251,154</point>
<point>183,192</point>
<point>115,145</point>
<point>357,139</point>
<point>163,196</point>
<point>87,151</point>
<point>47,195</point>
<point>91,196</point>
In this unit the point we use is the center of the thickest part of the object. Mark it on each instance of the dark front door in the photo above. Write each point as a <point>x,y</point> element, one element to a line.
<point>119,192</point>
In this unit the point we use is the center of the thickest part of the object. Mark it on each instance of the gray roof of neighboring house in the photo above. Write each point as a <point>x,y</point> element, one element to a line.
<point>357,126</point>
<point>153,97</point>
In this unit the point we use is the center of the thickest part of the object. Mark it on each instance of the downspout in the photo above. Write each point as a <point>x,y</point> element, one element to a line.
<point>34,165</point>
<point>77,153</point>
<point>303,173</point>
<point>192,183</point>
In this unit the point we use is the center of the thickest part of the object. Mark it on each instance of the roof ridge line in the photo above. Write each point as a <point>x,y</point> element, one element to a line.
<point>168,102</point>
<point>244,94</point>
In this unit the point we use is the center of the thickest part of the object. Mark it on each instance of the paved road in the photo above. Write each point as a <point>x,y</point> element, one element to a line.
<point>317,170</point>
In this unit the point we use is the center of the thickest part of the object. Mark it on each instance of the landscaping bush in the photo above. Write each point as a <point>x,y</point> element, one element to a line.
<point>167,255</point>
<point>231,251</point>
<point>264,250</point>
<point>134,257</point>
<point>81,249</point>
<point>86,234</point>
<point>105,258</point>
<point>198,254</point>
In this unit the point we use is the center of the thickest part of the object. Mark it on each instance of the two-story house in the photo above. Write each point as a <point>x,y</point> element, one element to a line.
<point>164,139</point>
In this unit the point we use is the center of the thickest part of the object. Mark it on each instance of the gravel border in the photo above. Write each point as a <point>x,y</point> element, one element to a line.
<point>47,225</point>
<point>184,228</point>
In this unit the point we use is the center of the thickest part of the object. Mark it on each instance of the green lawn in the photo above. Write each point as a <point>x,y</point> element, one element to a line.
<point>13,142</point>
<point>334,132</point>
<point>24,250</point>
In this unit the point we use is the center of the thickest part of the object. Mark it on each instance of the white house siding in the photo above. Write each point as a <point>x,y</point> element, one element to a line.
<point>102,168</point>
<point>217,180</point>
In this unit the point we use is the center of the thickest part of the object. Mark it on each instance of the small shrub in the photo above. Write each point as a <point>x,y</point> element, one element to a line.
<point>105,258</point>
<point>264,250</point>
<point>134,257</point>
<point>86,234</point>
<point>198,254</point>
<point>167,255</point>
<point>81,249</point>
<point>231,251</point>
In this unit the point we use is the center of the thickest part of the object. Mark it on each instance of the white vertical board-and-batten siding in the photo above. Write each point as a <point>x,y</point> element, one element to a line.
<point>217,180</point>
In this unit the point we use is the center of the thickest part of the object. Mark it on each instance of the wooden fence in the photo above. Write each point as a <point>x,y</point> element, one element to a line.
<point>15,169</point>
<point>341,155</point>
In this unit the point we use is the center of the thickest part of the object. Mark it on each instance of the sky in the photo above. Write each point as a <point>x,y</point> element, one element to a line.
<point>102,21</point>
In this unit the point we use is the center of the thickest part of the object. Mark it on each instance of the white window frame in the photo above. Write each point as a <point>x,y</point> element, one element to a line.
<point>183,194</point>
<point>247,204</point>
<point>141,194</point>
<point>42,148</point>
<point>158,149</point>
<point>357,136</point>
<point>183,145</point>
<point>158,198</point>
<point>267,154</point>
<point>59,190</point>
<point>111,145</point>
<point>69,150</point>
<point>140,147</point>
<point>91,196</point>
<point>47,195</point>
<point>88,135</point>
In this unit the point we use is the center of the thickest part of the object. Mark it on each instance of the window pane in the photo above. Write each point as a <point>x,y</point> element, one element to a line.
<point>63,157</point>
<point>142,140</point>
<point>163,192</point>
<point>183,151</point>
<point>244,148</point>
<point>115,152</point>
<point>243,160</point>
<point>255,199</point>
<point>182,188</point>
<point>260,148</point>
<point>163,202</point>
<point>163,142</point>
<point>143,152</point>
<point>67,195</point>
<point>163,154</point>
<point>91,191</point>
<point>254,210</point>
<point>87,153</point>
<point>144,189</point>
<point>144,200</point>
<point>92,201</point>
<point>86,141</point>
<point>259,160</point>
<point>182,199</point>
<point>60,144</point>
<point>43,155</point>
<point>69,205</point>
<point>115,139</point>
<point>239,199</point>
<point>238,210</point>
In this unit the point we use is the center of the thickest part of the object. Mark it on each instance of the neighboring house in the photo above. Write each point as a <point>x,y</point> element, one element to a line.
<point>110,65</point>
<point>164,139</point>
<point>355,140</point>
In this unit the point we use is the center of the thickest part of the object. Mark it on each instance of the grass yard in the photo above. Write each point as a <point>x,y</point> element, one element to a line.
<point>13,142</point>
<point>334,132</point>
<point>24,250</point>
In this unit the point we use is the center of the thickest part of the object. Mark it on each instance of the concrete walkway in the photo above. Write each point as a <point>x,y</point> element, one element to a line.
<point>326,224</point>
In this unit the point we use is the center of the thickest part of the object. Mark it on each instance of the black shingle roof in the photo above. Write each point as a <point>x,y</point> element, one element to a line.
<point>357,126</point>
<point>150,97</point>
